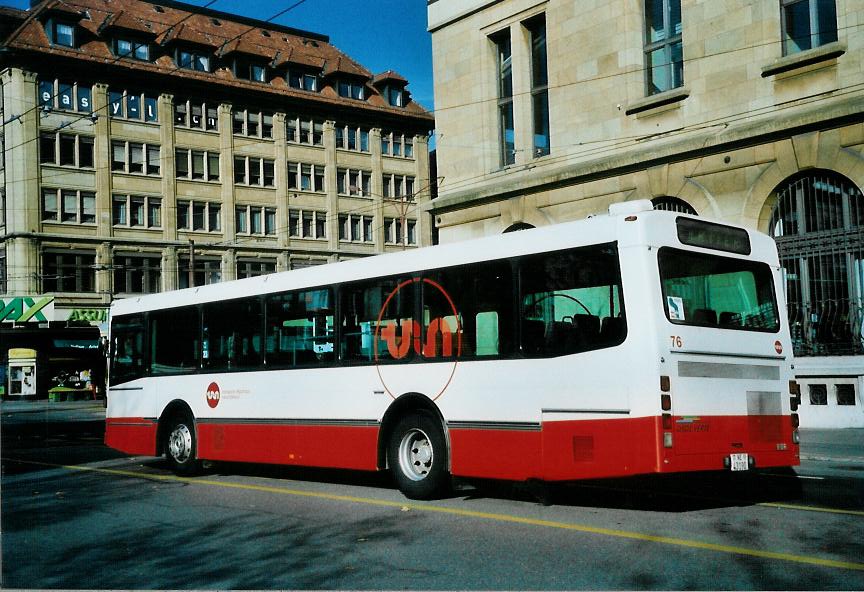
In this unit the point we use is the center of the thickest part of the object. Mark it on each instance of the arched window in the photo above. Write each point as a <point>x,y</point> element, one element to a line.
<point>673,204</point>
<point>518,226</point>
<point>818,224</point>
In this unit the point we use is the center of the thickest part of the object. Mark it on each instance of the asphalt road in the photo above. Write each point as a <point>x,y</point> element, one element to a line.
<point>77,515</point>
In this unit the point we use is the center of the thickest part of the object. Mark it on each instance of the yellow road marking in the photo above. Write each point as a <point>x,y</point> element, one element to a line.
<point>482,515</point>
<point>811,508</point>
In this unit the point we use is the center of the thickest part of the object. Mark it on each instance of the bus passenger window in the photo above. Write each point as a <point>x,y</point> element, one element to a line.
<point>175,339</point>
<point>482,297</point>
<point>300,328</point>
<point>571,301</point>
<point>232,335</point>
<point>398,334</point>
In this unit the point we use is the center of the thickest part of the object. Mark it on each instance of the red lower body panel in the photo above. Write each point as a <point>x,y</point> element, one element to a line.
<point>591,449</point>
<point>342,447</point>
<point>132,435</point>
<point>556,451</point>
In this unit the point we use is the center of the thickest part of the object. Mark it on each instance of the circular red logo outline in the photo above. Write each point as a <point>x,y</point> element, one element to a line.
<point>378,331</point>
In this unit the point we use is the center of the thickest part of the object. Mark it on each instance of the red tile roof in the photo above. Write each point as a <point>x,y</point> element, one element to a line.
<point>175,23</point>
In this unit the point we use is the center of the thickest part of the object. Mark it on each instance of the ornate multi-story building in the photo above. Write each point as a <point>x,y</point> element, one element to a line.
<point>745,111</point>
<point>154,145</point>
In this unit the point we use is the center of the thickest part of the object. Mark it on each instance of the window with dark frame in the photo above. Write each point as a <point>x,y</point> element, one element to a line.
<point>506,123</point>
<point>68,271</point>
<point>807,24</point>
<point>818,394</point>
<point>69,206</point>
<point>137,274</point>
<point>539,85</point>
<point>664,58</point>
<point>845,394</point>
<point>61,32</point>
<point>125,47</point>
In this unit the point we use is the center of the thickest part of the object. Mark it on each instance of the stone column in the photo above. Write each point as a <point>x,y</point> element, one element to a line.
<point>377,186</point>
<point>330,183</point>
<point>229,265</point>
<point>23,202</point>
<point>104,272</point>
<point>226,171</point>
<point>170,270</point>
<point>281,168</point>
<point>102,162</point>
<point>165,109</point>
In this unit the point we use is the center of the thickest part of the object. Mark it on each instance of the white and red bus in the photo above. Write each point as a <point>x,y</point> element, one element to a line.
<point>636,342</point>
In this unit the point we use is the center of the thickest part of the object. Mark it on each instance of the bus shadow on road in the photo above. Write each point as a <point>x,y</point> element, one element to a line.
<point>653,493</point>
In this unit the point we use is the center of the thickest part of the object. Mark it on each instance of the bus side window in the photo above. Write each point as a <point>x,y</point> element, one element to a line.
<point>567,298</point>
<point>232,334</point>
<point>482,298</point>
<point>382,308</point>
<point>300,328</point>
<point>175,338</point>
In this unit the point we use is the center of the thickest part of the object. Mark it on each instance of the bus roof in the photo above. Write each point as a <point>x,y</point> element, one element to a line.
<point>593,230</point>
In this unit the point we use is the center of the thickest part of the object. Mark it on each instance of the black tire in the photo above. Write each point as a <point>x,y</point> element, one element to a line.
<point>181,445</point>
<point>417,457</point>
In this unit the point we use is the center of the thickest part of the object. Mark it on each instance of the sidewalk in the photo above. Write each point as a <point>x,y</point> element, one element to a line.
<point>844,445</point>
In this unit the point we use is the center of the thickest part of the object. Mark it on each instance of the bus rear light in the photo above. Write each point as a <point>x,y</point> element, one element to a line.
<point>667,421</point>
<point>665,383</point>
<point>795,421</point>
<point>796,437</point>
<point>667,439</point>
<point>666,402</point>
<point>793,403</point>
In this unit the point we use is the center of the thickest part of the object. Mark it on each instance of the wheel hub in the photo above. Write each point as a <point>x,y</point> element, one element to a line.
<point>180,443</point>
<point>416,455</point>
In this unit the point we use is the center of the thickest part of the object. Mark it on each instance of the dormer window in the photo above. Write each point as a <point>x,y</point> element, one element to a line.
<point>351,90</point>
<point>299,79</point>
<point>131,48</point>
<point>395,96</point>
<point>60,32</point>
<point>191,59</point>
<point>248,70</point>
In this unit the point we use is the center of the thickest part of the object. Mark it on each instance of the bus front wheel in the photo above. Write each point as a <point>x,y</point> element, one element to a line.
<point>181,446</point>
<point>417,457</point>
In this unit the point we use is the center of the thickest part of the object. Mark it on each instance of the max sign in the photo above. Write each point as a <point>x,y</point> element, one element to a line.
<point>27,308</point>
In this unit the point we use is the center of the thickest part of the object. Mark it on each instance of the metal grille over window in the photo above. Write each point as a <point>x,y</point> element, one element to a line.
<point>818,224</point>
<point>673,204</point>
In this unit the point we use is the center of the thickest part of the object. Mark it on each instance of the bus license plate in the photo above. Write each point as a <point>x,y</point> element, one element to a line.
<point>739,462</point>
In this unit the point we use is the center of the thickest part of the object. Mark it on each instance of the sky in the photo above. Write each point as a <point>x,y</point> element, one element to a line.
<point>379,34</point>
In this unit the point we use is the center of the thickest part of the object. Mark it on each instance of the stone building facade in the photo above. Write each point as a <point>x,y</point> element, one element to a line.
<point>149,146</point>
<point>746,111</point>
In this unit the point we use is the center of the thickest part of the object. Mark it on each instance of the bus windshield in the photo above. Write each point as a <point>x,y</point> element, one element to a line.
<point>713,291</point>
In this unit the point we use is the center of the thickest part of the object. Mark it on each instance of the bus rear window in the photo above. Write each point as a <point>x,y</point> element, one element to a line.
<point>713,291</point>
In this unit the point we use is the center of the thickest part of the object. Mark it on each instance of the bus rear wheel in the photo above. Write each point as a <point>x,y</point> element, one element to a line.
<point>417,457</point>
<point>181,446</point>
